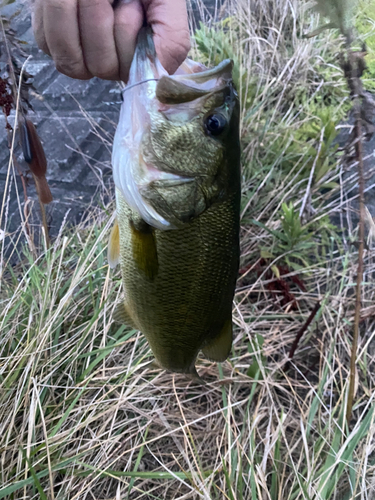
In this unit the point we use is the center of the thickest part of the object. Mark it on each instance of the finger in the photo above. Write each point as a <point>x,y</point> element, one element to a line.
<point>60,21</point>
<point>169,22</point>
<point>38,28</point>
<point>129,17</point>
<point>96,23</point>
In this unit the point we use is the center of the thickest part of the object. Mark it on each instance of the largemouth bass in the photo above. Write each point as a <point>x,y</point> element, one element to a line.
<point>176,167</point>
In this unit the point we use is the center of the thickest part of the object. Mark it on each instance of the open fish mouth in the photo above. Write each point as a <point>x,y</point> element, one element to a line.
<point>151,92</point>
<point>193,80</point>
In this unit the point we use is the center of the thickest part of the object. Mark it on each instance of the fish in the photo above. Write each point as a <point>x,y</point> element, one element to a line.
<point>176,170</point>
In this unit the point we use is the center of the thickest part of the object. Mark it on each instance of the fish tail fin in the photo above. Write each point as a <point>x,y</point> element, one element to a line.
<point>145,47</point>
<point>193,374</point>
<point>145,63</point>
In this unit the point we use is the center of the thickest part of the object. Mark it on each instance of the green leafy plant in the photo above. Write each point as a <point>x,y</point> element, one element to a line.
<point>255,348</point>
<point>295,242</point>
<point>323,154</point>
<point>365,27</point>
<point>214,45</point>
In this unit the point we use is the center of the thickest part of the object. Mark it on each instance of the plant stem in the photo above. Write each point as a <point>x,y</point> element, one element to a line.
<point>43,214</point>
<point>302,331</point>
<point>359,155</point>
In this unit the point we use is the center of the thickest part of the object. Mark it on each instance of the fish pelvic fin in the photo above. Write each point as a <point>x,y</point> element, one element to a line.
<point>219,348</point>
<point>113,253</point>
<point>122,315</point>
<point>144,249</point>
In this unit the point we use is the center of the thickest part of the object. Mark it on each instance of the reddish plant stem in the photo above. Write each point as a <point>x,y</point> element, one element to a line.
<point>361,185</point>
<point>24,187</point>
<point>302,330</point>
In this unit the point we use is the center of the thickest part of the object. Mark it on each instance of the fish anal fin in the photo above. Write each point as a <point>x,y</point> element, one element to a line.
<point>113,254</point>
<point>144,250</point>
<point>219,348</point>
<point>121,315</point>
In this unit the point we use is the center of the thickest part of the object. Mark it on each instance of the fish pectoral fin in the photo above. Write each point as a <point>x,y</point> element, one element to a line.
<point>113,253</point>
<point>144,249</point>
<point>219,348</point>
<point>121,315</point>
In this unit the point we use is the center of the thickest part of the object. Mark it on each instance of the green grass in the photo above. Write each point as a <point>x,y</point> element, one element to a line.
<point>81,414</point>
<point>365,25</point>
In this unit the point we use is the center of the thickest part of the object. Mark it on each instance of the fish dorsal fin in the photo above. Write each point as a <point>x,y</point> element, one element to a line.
<point>114,246</point>
<point>144,250</point>
<point>219,349</point>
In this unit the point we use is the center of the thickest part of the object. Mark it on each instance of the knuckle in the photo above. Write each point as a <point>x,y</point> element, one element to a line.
<point>183,46</point>
<point>105,73</point>
<point>173,46</point>
<point>104,65</point>
<point>58,4</point>
<point>73,69</point>
<point>41,42</point>
<point>178,51</point>
<point>90,4</point>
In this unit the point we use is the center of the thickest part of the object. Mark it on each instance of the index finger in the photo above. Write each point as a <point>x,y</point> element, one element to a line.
<point>61,29</point>
<point>38,27</point>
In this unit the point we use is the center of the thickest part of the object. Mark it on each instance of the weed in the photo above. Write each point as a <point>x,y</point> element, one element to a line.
<point>81,415</point>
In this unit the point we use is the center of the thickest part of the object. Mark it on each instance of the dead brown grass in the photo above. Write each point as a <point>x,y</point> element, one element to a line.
<point>81,415</point>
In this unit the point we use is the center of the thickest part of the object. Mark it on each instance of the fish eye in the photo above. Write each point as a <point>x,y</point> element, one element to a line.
<point>215,124</point>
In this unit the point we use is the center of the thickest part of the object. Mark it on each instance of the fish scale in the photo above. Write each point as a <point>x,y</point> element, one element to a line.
<point>191,297</point>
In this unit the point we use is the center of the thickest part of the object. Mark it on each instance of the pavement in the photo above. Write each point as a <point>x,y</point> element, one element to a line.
<point>76,121</point>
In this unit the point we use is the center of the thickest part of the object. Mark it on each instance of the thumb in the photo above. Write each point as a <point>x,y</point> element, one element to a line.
<point>169,21</point>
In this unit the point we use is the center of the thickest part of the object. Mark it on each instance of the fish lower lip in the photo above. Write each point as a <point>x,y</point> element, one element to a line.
<point>154,174</point>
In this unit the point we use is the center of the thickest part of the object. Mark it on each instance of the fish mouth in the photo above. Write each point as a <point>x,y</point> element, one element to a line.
<point>150,90</point>
<point>193,82</point>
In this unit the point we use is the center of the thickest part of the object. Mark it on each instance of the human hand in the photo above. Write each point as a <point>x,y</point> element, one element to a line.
<point>88,38</point>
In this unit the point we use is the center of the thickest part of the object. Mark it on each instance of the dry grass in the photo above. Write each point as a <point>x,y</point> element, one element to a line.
<point>81,417</point>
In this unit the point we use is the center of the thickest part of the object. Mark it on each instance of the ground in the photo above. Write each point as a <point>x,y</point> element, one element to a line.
<point>76,121</point>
